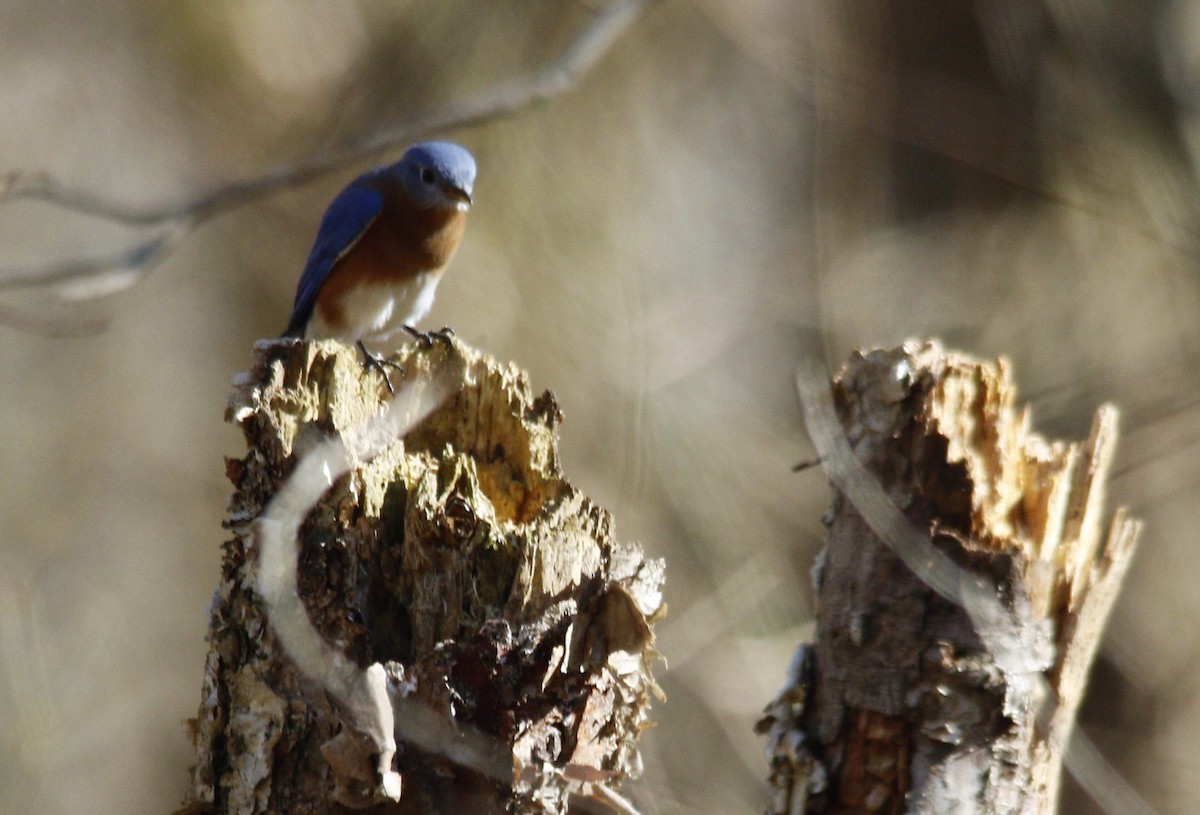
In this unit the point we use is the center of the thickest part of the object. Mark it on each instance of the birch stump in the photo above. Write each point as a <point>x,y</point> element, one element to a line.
<point>961,595</point>
<point>450,599</point>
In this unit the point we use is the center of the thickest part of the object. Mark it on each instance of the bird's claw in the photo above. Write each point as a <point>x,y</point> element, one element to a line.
<point>378,363</point>
<point>426,338</point>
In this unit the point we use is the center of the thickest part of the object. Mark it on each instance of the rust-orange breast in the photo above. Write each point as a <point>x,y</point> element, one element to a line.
<point>400,244</point>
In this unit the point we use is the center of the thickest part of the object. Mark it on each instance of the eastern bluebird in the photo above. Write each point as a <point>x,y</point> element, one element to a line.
<point>382,247</point>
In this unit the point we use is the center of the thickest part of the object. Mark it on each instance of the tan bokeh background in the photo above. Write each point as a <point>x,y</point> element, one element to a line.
<point>1014,177</point>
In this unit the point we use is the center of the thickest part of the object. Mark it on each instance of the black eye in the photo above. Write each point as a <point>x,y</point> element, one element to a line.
<point>427,175</point>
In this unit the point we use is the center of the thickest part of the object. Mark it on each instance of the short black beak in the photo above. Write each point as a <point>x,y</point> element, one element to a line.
<point>458,194</point>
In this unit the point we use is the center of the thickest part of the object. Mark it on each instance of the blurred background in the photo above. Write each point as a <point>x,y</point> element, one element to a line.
<point>1016,177</point>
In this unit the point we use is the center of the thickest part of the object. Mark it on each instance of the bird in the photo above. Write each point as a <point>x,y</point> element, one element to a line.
<point>381,249</point>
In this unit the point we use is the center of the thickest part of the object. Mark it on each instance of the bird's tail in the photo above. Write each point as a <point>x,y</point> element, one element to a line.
<point>295,329</point>
<point>298,323</point>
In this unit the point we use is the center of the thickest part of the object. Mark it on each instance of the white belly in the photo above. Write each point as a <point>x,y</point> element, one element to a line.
<point>375,313</point>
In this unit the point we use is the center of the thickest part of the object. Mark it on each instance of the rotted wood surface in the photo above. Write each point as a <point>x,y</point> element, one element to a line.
<point>907,701</point>
<point>513,628</point>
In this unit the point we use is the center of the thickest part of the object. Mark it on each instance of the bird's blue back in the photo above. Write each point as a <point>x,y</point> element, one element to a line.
<point>348,217</point>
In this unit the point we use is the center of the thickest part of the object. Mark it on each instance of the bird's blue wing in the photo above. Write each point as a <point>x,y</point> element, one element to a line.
<point>347,218</point>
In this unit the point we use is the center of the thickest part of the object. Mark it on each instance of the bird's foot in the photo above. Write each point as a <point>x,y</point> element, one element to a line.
<point>378,363</point>
<point>426,338</point>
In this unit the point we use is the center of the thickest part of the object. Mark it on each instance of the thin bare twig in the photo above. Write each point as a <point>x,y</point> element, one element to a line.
<point>174,221</point>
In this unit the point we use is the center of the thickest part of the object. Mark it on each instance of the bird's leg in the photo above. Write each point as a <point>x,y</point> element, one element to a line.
<point>426,338</point>
<point>377,362</point>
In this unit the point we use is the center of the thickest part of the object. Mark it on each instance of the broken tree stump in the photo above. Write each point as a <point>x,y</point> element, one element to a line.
<point>961,595</point>
<point>447,574</point>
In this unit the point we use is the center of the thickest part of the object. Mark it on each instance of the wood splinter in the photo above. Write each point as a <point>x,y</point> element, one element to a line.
<point>449,596</point>
<point>961,596</point>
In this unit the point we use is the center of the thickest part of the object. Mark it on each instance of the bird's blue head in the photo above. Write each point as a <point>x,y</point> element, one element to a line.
<point>438,174</point>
